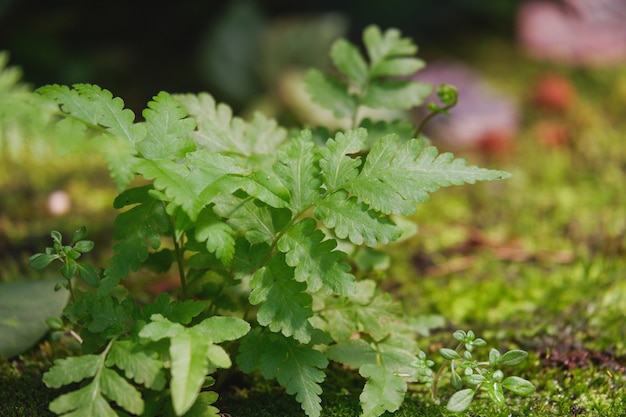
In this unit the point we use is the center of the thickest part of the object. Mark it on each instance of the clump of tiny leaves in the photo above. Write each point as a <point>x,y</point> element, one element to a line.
<point>466,371</point>
<point>263,227</point>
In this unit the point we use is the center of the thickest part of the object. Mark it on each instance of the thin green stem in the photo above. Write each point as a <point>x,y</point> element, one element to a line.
<point>181,269</point>
<point>425,120</point>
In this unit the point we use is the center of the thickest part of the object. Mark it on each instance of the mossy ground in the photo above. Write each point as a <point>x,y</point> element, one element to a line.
<point>536,262</point>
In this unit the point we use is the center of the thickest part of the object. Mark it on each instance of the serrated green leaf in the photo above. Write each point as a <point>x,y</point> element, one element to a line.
<point>298,169</point>
<point>117,389</point>
<point>72,369</point>
<point>137,230</point>
<point>297,367</point>
<point>315,259</point>
<point>267,187</point>
<point>396,67</point>
<point>168,129</point>
<point>137,364</point>
<point>395,94</point>
<point>286,307</point>
<point>331,93</point>
<point>460,400</point>
<point>97,107</point>
<point>349,61</point>
<point>217,235</point>
<point>355,221</point>
<point>375,315</point>
<point>219,329</point>
<point>203,406</point>
<point>175,311</point>
<point>381,45</point>
<point>189,367</point>
<point>161,328</point>
<point>219,131</point>
<point>353,353</point>
<point>396,175</point>
<point>86,401</point>
<point>383,391</point>
<point>258,222</point>
<point>338,167</point>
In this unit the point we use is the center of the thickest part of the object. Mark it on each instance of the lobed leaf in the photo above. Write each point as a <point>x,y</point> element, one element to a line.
<point>349,61</point>
<point>396,175</point>
<point>117,389</point>
<point>137,364</point>
<point>72,369</point>
<point>286,306</point>
<point>168,129</point>
<point>331,93</point>
<point>137,230</point>
<point>298,169</point>
<point>338,167</point>
<point>395,94</point>
<point>219,131</point>
<point>86,401</point>
<point>218,235</point>
<point>385,45</point>
<point>315,259</point>
<point>297,367</point>
<point>355,221</point>
<point>383,391</point>
<point>189,367</point>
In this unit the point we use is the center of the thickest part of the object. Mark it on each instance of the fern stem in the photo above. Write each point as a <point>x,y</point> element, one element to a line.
<point>181,270</point>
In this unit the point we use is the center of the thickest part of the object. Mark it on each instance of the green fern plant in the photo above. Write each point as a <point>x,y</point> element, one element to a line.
<point>252,218</point>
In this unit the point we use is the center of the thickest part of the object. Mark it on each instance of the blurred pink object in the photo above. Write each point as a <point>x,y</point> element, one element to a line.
<point>575,32</point>
<point>484,118</point>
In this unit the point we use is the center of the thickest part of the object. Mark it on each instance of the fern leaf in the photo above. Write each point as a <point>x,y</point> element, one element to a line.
<point>254,219</point>
<point>404,173</point>
<point>217,234</point>
<point>286,307</point>
<point>315,260</point>
<point>192,353</point>
<point>338,168</point>
<point>168,129</point>
<point>355,221</point>
<point>381,46</point>
<point>331,93</point>
<point>396,95</point>
<point>219,131</point>
<point>297,367</point>
<point>136,364</point>
<point>383,391</point>
<point>97,107</point>
<point>137,230</point>
<point>298,169</point>
<point>92,399</point>
<point>349,61</point>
